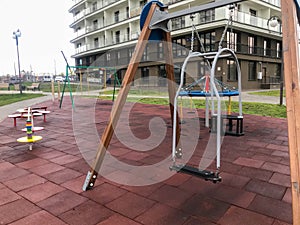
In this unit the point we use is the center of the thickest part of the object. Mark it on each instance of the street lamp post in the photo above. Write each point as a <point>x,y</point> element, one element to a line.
<point>16,35</point>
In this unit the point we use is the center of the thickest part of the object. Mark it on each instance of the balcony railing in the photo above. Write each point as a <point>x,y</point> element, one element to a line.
<point>76,1</point>
<point>96,6</point>
<point>274,2</point>
<point>221,14</point>
<point>240,17</point>
<point>135,11</point>
<point>107,42</point>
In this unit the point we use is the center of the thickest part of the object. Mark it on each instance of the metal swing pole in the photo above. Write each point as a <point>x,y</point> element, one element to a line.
<point>68,68</point>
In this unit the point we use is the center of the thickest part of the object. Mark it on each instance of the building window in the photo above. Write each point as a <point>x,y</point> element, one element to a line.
<point>203,68</point>
<point>128,33</point>
<point>232,41</point>
<point>162,80</point>
<point>127,12</point>
<point>108,57</point>
<point>118,56</point>
<point>87,60</point>
<point>145,75</point>
<point>252,70</point>
<point>231,69</point>
<point>143,2</point>
<point>145,54</point>
<point>179,47</point>
<point>160,50</point>
<point>208,40</point>
<point>267,47</point>
<point>278,72</point>
<point>177,74</point>
<point>95,24</point>
<point>278,50</point>
<point>96,42</point>
<point>207,16</point>
<point>251,45</point>
<point>253,18</point>
<point>117,14</point>
<point>117,36</point>
<point>94,6</point>
<point>130,52</point>
<point>178,23</point>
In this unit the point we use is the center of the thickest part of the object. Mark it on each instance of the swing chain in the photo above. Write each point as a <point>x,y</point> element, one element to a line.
<point>192,16</point>
<point>229,23</point>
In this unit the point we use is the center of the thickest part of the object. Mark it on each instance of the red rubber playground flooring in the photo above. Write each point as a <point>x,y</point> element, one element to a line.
<point>44,186</point>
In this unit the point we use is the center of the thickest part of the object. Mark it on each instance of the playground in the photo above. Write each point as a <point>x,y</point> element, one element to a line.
<point>45,184</point>
<point>123,162</point>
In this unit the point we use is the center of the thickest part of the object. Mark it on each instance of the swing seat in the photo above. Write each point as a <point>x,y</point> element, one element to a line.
<point>232,121</point>
<point>203,174</point>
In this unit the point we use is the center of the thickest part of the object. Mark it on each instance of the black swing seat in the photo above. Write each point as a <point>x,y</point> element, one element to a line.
<point>203,174</point>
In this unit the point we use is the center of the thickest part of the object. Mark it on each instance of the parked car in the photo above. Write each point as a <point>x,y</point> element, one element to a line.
<point>14,80</point>
<point>47,78</point>
<point>59,78</point>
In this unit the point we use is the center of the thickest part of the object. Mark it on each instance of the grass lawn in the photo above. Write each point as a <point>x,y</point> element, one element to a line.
<point>275,93</point>
<point>6,99</point>
<point>261,109</point>
<point>75,87</point>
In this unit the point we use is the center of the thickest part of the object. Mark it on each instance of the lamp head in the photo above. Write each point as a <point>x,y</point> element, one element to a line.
<point>17,33</point>
<point>273,22</point>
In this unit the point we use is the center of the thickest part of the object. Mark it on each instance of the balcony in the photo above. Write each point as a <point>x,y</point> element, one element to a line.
<point>76,1</point>
<point>108,42</point>
<point>100,25</point>
<point>135,11</point>
<point>274,2</point>
<point>93,8</point>
<point>223,14</point>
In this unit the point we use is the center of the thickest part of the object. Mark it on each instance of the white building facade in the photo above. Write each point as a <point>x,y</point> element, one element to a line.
<point>106,32</point>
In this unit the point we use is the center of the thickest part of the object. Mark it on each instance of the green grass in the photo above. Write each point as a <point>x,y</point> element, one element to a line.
<point>46,87</point>
<point>275,93</point>
<point>6,99</point>
<point>75,87</point>
<point>261,109</point>
<point>138,92</point>
<point>253,108</point>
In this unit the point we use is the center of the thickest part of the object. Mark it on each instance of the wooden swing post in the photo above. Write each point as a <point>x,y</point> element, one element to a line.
<point>292,76</point>
<point>121,99</point>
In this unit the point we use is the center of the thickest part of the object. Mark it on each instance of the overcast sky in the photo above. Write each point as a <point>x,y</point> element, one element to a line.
<point>45,33</point>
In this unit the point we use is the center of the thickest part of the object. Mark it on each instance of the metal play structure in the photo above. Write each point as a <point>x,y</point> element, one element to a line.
<point>211,94</point>
<point>154,24</point>
<point>101,80</point>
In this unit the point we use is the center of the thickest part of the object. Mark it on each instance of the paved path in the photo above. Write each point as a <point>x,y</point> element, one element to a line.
<point>44,186</point>
<point>247,97</point>
<point>9,109</point>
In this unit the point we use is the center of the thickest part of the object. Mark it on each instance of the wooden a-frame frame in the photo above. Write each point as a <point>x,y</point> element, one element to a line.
<point>121,99</point>
<point>292,84</point>
<point>292,87</point>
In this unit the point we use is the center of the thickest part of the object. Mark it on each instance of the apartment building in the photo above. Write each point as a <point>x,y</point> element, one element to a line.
<point>106,32</point>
